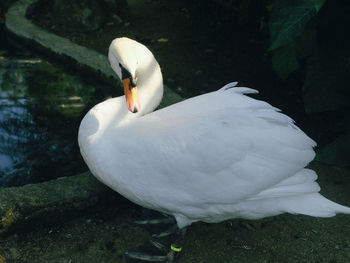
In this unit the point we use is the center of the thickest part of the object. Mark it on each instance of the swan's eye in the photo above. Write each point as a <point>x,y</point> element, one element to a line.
<point>133,81</point>
<point>125,73</point>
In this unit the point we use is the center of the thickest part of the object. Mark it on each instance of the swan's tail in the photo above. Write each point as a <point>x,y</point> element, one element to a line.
<point>315,205</point>
<point>298,194</point>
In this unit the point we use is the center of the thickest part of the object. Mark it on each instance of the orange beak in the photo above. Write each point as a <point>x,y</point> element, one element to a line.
<point>132,96</point>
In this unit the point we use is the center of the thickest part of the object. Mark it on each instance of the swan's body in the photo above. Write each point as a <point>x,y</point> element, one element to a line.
<point>213,157</point>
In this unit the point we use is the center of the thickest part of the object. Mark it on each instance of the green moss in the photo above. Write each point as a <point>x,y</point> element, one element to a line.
<point>7,220</point>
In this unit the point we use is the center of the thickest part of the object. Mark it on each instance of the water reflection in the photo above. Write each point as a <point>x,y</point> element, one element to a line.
<point>40,111</point>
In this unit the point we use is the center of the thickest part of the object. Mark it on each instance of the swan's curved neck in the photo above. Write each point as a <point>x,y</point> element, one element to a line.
<point>149,81</point>
<point>149,84</point>
<point>114,112</point>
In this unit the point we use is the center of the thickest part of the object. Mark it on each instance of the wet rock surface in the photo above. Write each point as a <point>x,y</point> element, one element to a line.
<point>51,202</point>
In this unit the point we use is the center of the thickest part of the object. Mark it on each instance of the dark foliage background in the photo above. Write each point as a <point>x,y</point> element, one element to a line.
<point>308,39</point>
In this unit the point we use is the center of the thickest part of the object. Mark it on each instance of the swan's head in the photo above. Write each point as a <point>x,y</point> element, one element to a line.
<point>123,60</point>
<point>140,73</point>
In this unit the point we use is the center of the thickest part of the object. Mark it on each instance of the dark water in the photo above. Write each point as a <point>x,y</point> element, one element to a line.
<point>40,110</point>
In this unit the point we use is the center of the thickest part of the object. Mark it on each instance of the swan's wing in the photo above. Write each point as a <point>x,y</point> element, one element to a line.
<point>228,96</point>
<point>222,157</point>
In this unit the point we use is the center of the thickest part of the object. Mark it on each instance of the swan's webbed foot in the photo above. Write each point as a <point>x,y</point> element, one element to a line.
<point>153,251</point>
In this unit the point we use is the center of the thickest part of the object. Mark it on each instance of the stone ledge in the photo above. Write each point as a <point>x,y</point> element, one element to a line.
<point>52,202</point>
<point>61,48</point>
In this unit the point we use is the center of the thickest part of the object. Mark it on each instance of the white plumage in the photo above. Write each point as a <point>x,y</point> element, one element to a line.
<point>213,157</point>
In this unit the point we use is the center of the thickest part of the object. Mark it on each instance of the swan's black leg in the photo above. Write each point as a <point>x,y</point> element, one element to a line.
<point>176,246</point>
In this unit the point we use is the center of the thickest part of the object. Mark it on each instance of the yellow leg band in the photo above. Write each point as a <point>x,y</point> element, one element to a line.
<point>176,249</point>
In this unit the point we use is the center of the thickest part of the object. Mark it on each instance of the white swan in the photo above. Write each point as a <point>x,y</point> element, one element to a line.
<point>213,157</point>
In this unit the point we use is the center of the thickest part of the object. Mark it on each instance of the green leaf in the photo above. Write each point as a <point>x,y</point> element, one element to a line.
<point>284,61</point>
<point>318,4</point>
<point>288,19</point>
